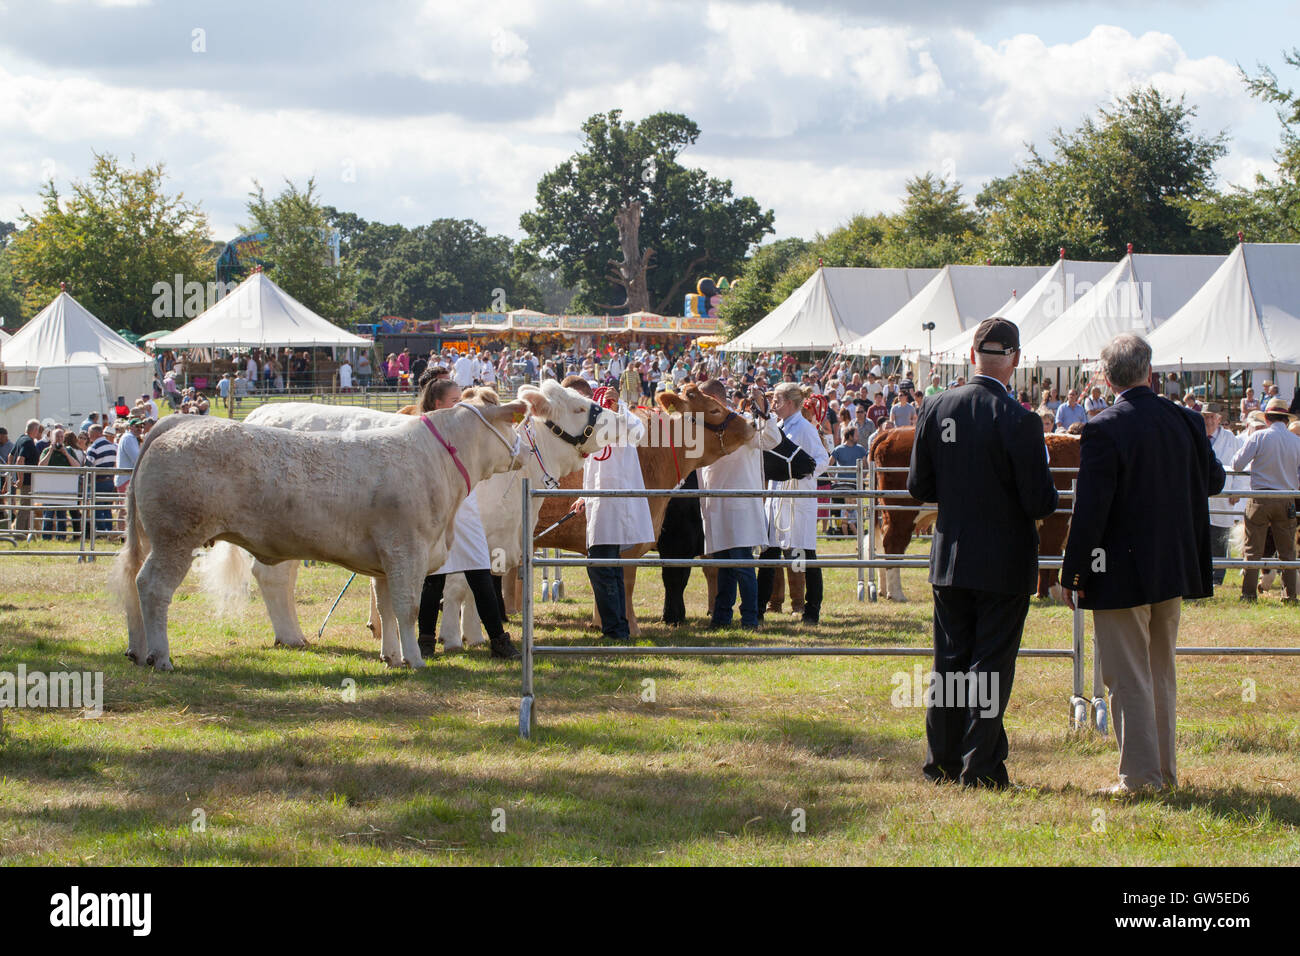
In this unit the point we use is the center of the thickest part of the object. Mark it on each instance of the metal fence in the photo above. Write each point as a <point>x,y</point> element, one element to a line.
<point>62,503</point>
<point>1084,710</point>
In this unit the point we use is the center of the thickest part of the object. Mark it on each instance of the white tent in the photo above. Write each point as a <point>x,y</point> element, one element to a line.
<point>258,314</point>
<point>1139,293</point>
<point>1246,315</point>
<point>959,297</point>
<point>835,306</point>
<point>60,331</point>
<point>1034,310</point>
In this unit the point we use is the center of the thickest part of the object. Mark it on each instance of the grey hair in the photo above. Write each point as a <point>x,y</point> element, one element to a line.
<point>1127,360</point>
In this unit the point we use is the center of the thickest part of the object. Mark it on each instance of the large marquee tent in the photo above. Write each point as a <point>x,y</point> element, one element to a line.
<point>1139,293</point>
<point>835,306</point>
<point>1034,310</point>
<point>259,314</point>
<point>958,298</point>
<point>65,332</point>
<point>1246,315</point>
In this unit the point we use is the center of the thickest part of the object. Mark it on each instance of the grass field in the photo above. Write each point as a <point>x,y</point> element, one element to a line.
<point>263,748</point>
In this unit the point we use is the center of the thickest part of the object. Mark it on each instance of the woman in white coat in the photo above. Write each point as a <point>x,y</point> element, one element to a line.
<point>792,522</point>
<point>615,524</point>
<point>734,527</point>
<point>468,555</point>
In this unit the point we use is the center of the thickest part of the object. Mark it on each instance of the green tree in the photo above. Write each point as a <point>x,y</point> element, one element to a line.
<point>752,294</point>
<point>1270,211</point>
<point>627,225</point>
<point>110,240</point>
<point>1124,175</point>
<point>297,253</point>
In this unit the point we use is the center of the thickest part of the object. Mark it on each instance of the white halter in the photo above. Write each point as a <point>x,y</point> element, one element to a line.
<point>513,449</point>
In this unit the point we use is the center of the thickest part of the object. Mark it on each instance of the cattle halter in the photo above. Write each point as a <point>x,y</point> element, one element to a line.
<point>513,449</point>
<point>577,441</point>
<point>451,450</point>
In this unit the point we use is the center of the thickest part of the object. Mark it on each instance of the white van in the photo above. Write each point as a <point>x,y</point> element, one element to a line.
<point>68,393</point>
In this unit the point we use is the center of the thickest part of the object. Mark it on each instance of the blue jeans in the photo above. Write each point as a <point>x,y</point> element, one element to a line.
<point>103,516</point>
<point>731,580</point>
<point>611,598</point>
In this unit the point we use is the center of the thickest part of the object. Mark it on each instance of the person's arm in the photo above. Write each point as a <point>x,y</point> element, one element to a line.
<point>1246,453</point>
<point>1094,492</point>
<point>922,482</point>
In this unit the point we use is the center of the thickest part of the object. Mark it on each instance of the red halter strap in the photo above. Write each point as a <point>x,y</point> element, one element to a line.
<point>451,450</point>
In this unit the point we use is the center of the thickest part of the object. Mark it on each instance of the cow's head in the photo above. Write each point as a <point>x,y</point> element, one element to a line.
<point>506,451</point>
<point>568,425</point>
<point>709,429</point>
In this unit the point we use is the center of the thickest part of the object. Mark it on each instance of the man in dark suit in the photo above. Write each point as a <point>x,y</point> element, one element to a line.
<point>981,456</point>
<point>1140,543</point>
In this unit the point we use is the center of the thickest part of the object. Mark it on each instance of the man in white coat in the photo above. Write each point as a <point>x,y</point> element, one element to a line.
<point>1225,446</point>
<point>734,527</point>
<point>615,524</point>
<point>465,370</point>
<point>468,554</point>
<point>792,522</point>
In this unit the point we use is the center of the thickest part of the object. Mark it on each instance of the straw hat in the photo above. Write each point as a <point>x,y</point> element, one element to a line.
<point>1277,406</point>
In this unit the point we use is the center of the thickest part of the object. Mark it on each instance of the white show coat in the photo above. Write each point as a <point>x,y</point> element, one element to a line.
<point>792,522</point>
<point>1225,446</point>
<point>621,521</point>
<point>738,522</point>
<point>469,547</point>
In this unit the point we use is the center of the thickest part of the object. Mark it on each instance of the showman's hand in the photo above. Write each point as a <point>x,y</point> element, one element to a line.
<point>579,506</point>
<point>1070,599</point>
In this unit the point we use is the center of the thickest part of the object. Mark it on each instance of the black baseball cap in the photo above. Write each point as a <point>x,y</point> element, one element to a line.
<point>997,336</point>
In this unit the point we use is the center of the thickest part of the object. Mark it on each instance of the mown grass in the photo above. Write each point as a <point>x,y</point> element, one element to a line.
<point>285,770</point>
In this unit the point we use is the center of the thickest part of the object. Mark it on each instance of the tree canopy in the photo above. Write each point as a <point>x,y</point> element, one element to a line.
<point>115,235</point>
<point>690,223</point>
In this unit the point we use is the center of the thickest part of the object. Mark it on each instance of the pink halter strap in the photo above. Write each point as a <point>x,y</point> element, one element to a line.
<point>451,450</point>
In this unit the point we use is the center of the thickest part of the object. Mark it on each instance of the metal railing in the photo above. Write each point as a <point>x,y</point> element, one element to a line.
<point>1084,710</point>
<point>57,493</point>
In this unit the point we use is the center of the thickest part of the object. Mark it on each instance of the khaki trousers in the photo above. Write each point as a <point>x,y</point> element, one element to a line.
<point>1262,514</point>
<point>1136,647</point>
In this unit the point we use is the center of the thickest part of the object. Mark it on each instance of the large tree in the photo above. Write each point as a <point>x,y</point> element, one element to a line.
<point>1124,175</point>
<point>1270,210</point>
<point>450,265</point>
<point>296,251</point>
<point>629,225</point>
<point>114,236</point>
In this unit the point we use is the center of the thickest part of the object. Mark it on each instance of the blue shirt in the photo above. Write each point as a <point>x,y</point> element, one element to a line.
<point>848,455</point>
<point>1067,415</point>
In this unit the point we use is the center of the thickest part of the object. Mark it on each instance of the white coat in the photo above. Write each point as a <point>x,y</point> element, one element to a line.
<point>621,521</point>
<point>738,522</point>
<point>1225,446</point>
<point>469,548</point>
<point>792,522</point>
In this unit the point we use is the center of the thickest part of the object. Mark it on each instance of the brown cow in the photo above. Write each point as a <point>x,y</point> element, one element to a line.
<point>664,464</point>
<point>894,529</point>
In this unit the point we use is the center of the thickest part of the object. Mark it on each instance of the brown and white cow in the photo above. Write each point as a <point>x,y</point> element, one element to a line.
<point>664,464</point>
<point>894,529</point>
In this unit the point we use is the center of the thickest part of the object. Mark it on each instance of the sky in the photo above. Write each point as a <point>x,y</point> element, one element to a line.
<point>412,110</point>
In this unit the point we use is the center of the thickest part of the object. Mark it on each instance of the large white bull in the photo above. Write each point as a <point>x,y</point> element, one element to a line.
<point>226,571</point>
<point>378,502</point>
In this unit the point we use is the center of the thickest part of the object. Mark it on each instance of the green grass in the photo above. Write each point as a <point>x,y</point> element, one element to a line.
<point>286,771</point>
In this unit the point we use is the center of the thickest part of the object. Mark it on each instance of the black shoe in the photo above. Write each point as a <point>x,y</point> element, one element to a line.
<point>503,649</point>
<point>428,645</point>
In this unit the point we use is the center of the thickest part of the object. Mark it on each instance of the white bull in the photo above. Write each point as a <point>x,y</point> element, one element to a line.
<point>228,567</point>
<point>379,502</point>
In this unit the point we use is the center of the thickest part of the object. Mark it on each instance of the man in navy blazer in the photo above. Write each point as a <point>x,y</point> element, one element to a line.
<point>1139,543</point>
<point>981,456</point>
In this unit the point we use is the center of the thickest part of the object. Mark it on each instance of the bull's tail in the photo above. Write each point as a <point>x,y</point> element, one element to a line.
<point>226,576</point>
<point>1237,538</point>
<point>121,581</point>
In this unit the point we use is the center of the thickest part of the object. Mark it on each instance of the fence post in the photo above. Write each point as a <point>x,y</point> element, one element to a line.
<point>857,505</point>
<point>872,482</point>
<point>526,718</point>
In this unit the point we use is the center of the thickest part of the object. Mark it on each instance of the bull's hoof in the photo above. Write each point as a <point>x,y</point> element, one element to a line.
<point>134,658</point>
<point>897,598</point>
<point>454,648</point>
<point>296,645</point>
<point>391,661</point>
<point>414,665</point>
<point>159,663</point>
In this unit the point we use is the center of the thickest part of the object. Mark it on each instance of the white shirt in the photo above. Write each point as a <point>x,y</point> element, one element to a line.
<point>738,522</point>
<point>1225,446</point>
<point>620,521</point>
<point>792,522</point>
<point>463,371</point>
<point>128,451</point>
<point>345,375</point>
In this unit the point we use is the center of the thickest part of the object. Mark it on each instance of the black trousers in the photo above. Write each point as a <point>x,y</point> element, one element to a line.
<point>486,598</point>
<point>611,596</point>
<point>976,638</point>
<point>675,581</point>
<point>812,599</point>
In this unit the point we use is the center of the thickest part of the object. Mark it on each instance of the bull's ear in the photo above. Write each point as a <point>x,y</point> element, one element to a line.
<point>510,411</point>
<point>537,403</point>
<point>673,403</point>
<point>409,410</point>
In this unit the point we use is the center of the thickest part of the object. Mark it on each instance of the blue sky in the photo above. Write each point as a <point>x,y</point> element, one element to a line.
<point>408,110</point>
